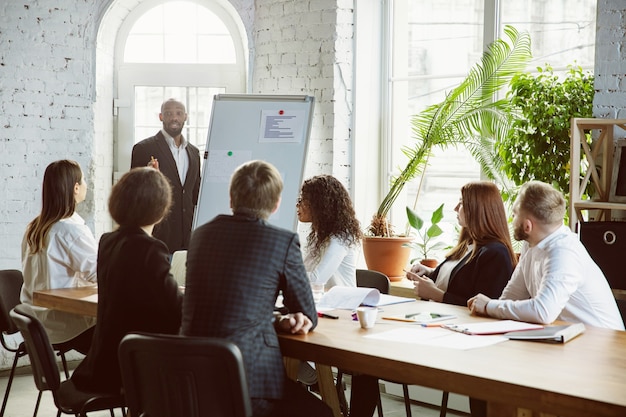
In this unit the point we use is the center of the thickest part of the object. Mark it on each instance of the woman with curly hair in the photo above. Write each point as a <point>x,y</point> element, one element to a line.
<point>335,236</point>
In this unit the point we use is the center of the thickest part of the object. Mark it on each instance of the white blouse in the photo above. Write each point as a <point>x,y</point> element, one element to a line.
<point>69,259</point>
<point>337,265</point>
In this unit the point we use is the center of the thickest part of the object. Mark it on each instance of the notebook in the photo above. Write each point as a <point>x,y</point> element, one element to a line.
<point>549,334</point>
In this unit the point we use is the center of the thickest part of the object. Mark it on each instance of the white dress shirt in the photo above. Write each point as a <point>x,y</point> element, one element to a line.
<point>336,266</point>
<point>179,153</point>
<point>558,280</point>
<point>69,259</point>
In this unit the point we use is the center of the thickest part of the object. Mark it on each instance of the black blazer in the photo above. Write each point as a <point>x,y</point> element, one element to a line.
<point>488,273</point>
<point>136,292</point>
<point>175,229</point>
<point>236,265</point>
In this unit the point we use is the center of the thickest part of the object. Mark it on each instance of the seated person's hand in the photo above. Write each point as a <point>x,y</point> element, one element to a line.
<point>294,323</point>
<point>425,287</point>
<point>418,269</point>
<point>478,304</point>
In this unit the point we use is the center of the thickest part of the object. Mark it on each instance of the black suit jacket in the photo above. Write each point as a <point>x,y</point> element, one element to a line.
<point>236,265</point>
<point>136,292</point>
<point>488,273</point>
<point>175,229</point>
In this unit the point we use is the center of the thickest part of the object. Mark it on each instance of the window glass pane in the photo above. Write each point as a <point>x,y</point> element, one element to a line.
<point>179,32</point>
<point>562,31</point>
<point>435,43</point>
<point>440,42</point>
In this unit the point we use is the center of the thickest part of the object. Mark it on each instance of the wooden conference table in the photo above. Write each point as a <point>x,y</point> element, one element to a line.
<point>582,378</point>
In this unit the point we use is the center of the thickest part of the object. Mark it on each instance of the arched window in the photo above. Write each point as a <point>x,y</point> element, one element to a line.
<point>187,50</point>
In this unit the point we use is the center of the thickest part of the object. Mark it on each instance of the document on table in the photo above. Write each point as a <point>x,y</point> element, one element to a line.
<point>349,298</point>
<point>436,336</point>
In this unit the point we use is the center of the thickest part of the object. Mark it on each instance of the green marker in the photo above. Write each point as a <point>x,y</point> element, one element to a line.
<point>230,153</point>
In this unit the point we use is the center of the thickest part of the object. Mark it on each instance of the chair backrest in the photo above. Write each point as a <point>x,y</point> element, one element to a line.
<point>372,279</point>
<point>11,281</point>
<point>167,375</point>
<point>42,358</point>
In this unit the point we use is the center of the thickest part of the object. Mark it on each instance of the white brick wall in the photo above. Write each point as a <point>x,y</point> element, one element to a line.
<point>610,60</point>
<point>298,49</point>
<point>56,90</point>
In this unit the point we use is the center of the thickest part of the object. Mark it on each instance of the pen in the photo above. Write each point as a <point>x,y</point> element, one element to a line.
<point>431,324</point>
<point>328,316</point>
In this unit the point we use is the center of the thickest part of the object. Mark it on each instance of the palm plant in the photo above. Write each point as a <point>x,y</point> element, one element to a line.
<point>468,116</point>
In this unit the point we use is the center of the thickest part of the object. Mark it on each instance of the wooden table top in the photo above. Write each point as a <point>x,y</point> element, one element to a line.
<point>584,377</point>
<point>79,300</point>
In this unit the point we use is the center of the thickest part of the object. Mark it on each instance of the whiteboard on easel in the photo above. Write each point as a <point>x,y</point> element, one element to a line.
<point>244,127</point>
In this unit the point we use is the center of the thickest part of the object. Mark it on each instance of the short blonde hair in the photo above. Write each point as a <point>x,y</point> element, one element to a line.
<point>541,201</point>
<point>255,189</point>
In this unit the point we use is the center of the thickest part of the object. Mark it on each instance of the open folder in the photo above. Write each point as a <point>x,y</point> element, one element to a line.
<point>349,298</point>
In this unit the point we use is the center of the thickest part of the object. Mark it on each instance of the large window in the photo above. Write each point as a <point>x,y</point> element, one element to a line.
<point>187,50</point>
<point>433,44</point>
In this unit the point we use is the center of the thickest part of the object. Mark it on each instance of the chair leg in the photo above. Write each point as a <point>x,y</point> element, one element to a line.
<point>341,395</point>
<point>379,407</point>
<point>64,361</point>
<point>37,403</point>
<point>9,383</point>
<point>444,404</point>
<point>407,400</point>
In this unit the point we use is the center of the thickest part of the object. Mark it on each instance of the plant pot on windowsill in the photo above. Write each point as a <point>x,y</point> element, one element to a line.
<point>431,263</point>
<point>388,255</point>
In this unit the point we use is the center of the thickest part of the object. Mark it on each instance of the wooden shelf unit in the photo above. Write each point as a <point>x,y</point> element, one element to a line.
<point>599,157</point>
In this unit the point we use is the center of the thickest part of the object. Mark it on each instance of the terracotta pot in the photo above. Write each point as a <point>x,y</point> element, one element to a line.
<point>431,263</point>
<point>387,255</point>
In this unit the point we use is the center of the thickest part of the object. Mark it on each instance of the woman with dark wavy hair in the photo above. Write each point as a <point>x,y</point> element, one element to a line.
<point>332,244</point>
<point>335,236</point>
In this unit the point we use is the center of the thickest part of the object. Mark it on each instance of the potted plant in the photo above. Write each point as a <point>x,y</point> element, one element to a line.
<point>538,144</point>
<point>468,116</point>
<point>426,241</point>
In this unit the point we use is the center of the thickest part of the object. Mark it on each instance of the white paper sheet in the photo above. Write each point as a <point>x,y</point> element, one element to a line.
<point>435,336</point>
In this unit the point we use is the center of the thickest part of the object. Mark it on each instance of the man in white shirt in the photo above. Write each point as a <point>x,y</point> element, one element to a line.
<point>555,279</point>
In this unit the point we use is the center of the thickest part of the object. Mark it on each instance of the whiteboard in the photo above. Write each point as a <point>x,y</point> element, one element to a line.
<point>244,127</point>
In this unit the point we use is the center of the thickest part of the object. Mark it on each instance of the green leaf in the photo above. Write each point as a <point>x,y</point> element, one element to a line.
<point>414,220</point>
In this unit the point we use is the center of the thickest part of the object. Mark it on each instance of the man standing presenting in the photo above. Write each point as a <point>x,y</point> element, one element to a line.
<point>555,279</point>
<point>179,161</point>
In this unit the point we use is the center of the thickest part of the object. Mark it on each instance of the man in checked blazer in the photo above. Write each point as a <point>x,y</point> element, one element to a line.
<point>179,161</point>
<point>236,266</point>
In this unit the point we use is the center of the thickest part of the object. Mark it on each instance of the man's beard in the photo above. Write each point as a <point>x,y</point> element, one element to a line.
<point>519,233</point>
<point>174,132</point>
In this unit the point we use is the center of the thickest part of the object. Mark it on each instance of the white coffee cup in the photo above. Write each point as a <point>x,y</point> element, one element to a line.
<point>367,316</point>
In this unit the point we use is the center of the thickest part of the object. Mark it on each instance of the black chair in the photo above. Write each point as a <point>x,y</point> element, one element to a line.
<point>67,398</point>
<point>11,281</point>
<point>372,279</point>
<point>169,375</point>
